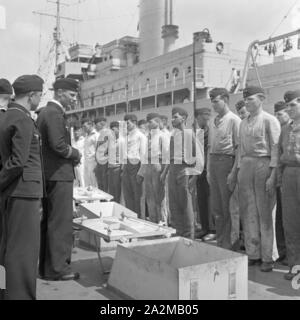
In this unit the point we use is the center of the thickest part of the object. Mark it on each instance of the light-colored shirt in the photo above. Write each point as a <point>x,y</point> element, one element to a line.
<point>115,151</point>
<point>136,146</point>
<point>157,146</point>
<point>224,135</point>
<point>102,146</point>
<point>90,144</point>
<point>157,150</point>
<point>186,149</point>
<point>79,145</point>
<point>259,137</point>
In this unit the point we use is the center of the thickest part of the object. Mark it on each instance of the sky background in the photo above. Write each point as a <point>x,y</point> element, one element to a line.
<point>236,21</point>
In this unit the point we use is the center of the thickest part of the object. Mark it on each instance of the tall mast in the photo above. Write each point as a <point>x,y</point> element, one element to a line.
<point>57,29</point>
<point>58,34</point>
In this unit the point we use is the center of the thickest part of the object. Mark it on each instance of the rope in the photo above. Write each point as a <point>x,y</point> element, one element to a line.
<point>285,17</point>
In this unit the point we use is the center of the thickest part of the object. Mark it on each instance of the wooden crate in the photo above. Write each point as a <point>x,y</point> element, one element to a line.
<point>178,269</point>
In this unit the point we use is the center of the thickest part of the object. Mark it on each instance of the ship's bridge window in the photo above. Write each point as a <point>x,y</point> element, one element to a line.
<point>175,72</point>
<point>147,84</point>
<point>220,47</point>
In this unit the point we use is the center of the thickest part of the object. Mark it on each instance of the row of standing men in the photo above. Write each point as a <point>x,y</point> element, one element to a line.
<point>244,162</point>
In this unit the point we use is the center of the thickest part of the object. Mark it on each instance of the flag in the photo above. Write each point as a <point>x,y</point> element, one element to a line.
<point>2,18</point>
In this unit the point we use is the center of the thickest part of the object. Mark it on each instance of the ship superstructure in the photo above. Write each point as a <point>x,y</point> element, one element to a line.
<point>140,74</point>
<point>149,73</point>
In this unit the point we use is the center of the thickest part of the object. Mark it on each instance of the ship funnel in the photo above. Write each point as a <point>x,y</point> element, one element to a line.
<point>169,31</point>
<point>152,14</point>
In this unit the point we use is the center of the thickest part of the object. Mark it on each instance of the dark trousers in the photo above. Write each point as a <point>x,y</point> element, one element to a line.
<point>203,201</point>
<point>114,183</point>
<point>280,238</point>
<point>19,250</point>
<point>56,230</point>
<point>220,168</point>
<point>181,203</point>
<point>291,213</point>
<point>131,188</point>
<point>101,172</point>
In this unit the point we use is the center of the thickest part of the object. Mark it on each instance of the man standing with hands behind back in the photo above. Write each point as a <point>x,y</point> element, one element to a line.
<point>59,159</point>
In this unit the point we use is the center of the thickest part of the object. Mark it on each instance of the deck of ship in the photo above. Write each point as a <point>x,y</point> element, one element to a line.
<point>92,284</point>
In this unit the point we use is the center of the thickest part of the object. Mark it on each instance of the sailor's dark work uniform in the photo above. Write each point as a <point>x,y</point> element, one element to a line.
<point>56,225</point>
<point>21,187</point>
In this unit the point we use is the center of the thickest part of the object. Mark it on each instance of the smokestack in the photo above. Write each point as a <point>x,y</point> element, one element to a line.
<point>171,12</point>
<point>169,31</point>
<point>152,16</point>
<point>166,11</point>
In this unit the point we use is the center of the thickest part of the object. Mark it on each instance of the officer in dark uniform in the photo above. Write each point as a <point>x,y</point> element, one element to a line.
<point>6,92</point>
<point>59,159</point>
<point>21,188</point>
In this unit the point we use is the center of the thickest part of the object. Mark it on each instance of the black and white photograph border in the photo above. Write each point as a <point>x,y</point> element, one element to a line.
<point>149,150</point>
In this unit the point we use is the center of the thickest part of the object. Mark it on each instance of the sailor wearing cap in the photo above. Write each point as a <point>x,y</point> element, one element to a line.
<point>115,156</point>
<point>289,153</point>
<point>241,109</point>
<point>203,116</point>
<point>258,150</point>
<point>181,175</point>
<point>59,159</point>
<point>157,146</point>
<point>222,165</point>
<point>101,169</point>
<point>283,117</point>
<point>167,136</point>
<point>281,113</point>
<point>136,144</point>
<point>21,186</point>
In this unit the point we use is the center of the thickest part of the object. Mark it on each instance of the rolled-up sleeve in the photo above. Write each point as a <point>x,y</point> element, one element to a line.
<point>274,131</point>
<point>239,154</point>
<point>143,148</point>
<point>236,133</point>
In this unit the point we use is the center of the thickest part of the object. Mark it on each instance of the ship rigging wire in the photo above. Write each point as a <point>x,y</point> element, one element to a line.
<point>284,18</point>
